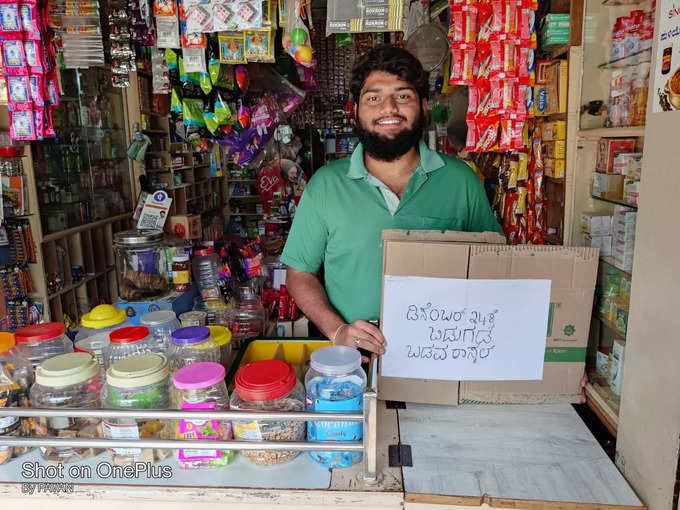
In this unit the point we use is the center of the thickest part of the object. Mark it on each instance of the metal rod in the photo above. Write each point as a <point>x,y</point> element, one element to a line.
<point>177,415</point>
<point>169,444</point>
<point>370,439</point>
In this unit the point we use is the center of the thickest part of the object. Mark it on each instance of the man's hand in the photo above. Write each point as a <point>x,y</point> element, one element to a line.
<point>361,334</point>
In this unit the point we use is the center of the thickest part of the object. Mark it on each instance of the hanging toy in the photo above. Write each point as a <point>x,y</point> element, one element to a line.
<point>242,79</point>
<point>296,40</point>
<point>243,116</point>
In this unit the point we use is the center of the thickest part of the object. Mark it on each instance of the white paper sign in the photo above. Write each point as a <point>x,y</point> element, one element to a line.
<point>465,330</point>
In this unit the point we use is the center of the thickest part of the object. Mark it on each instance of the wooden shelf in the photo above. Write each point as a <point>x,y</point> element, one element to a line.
<point>555,180</point>
<point>155,131</point>
<point>610,261</point>
<point>87,226</point>
<point>557,51</point>
<point>246,197</point>
<point>600,400</point>
<point>86,278</point>
<point>614,201</point>
<point>611,326</point>
<point>616,132</point>
<point>253,215</point>
<point>553,239</point>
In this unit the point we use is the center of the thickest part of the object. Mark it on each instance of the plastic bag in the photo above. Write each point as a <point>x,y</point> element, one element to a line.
<point>296,38</point>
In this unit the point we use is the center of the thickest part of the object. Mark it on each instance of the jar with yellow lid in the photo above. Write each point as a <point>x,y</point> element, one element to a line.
<point>222,337</point>
<point>192,345</point>
<point>136,382</point>
<point>67,381</point>
<point>93,336</point>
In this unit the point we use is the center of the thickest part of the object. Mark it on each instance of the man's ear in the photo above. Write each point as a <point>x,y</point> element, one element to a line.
<point>356,112</point>
<point>423,104</point>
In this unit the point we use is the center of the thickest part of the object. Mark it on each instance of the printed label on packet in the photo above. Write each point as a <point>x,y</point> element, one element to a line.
<point>191,429</point>
<point>248,431</point>
<point>119,431</point>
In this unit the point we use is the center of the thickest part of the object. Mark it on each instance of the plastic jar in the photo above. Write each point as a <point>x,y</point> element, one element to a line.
<point>20,371</point>
<point>222,337</point>
<point>207,267</point>
<point>93,336</point>
<point>268,386</point>
<point>201,386</point>
<point>218,313</point>
<point>42,341</point>
<point>141,263</point>
<point>67,381</point>
<point>192,345</point>
<point>136,382</point>
<point>126,342</point>
<point>161,324</point>
<point>181,273</point>
<point>248,316</point>
<point>335,383</point>
<point>193,318</point>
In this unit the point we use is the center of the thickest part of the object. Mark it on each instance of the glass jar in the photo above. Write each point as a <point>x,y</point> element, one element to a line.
<point>93,336</point>
<point>201,386</point>
<point>137,382</point>
<point>141,263</point>
<point>193,318</point>
<point>191,345</point>
<point>268,386</point>
<point>14,369</point>
<point>207,267</point>
<point>181,273</point>
<point>42,341</point>
<point>161,324</point>
<point>67,381</point>
<point>335,383</point>
<point>127,342</point>
<point>248,316</point>
<point>222,337</point>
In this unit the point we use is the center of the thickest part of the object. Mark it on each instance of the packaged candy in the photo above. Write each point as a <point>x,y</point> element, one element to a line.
<point>538,186</point>
<point>224,16</point>
<point>167,32</point>
<point>10,21</point>
<point>163,8</point>
<point>198,17</point>
<point>484,61</point>
<point>232,48</point>
<point>504,16</point>
<point>194,60</point>
<point>471,138</point>
<point>29,21</point>
<point>259,46</point>
<point>21,124</point>
<point>462,64</point>
<point>14,58</point>
<point>463,27</point>
<point>193,40</point>
<point>18,89</point>
<point>484,21</point>
<point>487,132</point>
<point>472,99</point>
<point>269,14</point>
<point>36,82</point>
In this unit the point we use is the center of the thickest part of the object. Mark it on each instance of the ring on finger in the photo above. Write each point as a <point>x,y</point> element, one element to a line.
<point>357,341</point>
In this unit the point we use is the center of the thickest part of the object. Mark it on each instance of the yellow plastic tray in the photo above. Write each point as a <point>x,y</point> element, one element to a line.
<point>295,351</point>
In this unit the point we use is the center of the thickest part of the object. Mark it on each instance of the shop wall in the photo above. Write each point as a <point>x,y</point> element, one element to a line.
<point>649,421</point>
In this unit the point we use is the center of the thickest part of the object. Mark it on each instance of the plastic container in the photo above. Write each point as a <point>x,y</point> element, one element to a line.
<point>192,345</point>
<point>201,386</point>
<point>335,383</point>
<point>126,342</point>
<point>137,382</point>
<point>161,324</point>
<point>42,341</point>
<point>218,313</point>
<point>193,318</point>
<point>222,337</point>
<point>248,316</point>
<point>141,263</point>
<point>268,386</point>
<point>67,381</point>
<point>93,336</point>
<point>207,267</point>
<point>16,377</point>
<point>181,272</point>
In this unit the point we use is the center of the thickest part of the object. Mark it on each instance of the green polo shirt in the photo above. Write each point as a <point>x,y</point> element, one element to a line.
<point>342,213</point>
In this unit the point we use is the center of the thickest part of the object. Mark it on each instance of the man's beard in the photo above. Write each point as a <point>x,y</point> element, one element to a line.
<point>390,149</point>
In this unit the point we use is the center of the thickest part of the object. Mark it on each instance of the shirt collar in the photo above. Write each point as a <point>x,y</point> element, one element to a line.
<point>429,161</point>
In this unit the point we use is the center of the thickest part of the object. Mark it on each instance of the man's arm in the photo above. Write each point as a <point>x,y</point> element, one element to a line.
<point>311,298</point>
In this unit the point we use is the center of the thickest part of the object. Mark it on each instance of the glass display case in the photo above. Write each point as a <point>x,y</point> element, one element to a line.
<point>83,175</point>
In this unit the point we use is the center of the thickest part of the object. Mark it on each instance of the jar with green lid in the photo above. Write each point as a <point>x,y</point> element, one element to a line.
<point>136,382</point>
<point>192,345</point>
<point>93,336</point>
<point>201,386</point>
<point>67,381</point>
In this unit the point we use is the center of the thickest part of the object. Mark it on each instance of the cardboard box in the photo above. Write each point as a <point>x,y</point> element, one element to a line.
<point>556,149</point>
<point>283,329</point>
<point>628,164</point>
<point>556,130</point>
<point>557,77</point>
<point>554,168</point>
<point>185,226</point>
<point>608,148</point>
<point>596,223</point>
<point>608,186</point>
<point>603,242</point>
<point>572,272</point>
<point>616,369</point>
<point>301,327</point>
<point>631,191</point>
<point>178,302</point>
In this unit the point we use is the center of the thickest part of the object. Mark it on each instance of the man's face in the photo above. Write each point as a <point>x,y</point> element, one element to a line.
<point>390,118</point>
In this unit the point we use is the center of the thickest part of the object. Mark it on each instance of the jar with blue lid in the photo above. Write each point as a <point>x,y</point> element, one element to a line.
<point>335,383</point>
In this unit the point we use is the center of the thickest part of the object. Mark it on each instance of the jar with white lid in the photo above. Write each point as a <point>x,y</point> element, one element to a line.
<point>19,370</point>
<point>137,382</point>
<point>42,341</point>
<point>269,386</point>
<point>161,324</point>
<point>192,345</point>
<point>335,383</point>
<point>125,342</point>
<point>201,386</point>
<point>67,381</point>
<point>141,263</point>
<point>93,336</point>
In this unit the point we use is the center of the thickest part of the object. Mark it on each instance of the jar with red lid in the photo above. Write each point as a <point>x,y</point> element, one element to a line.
<point>268,386</point>
<point>126,342</point>
<point>207,267</point>
<point>39,342</point>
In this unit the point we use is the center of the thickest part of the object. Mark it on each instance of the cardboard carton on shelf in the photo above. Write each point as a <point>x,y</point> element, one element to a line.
<point>596,223</point>
<point>556,130</point>
<point>555,149</point>
<point>557,77</point>
<point>608,149</point>
<point>572,272</point>
<point>603,242</point>
<point>185,226</point>
<point>607,186</point>
<point>554,168</point>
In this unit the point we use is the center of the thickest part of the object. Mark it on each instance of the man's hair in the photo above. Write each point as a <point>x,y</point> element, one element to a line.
<point>393,60</point>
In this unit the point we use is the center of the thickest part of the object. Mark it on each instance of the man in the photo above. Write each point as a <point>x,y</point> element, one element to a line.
<point>391,181</point>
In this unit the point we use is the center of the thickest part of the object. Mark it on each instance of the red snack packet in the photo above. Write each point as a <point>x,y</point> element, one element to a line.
<point>472,99</point>
<point>483,61</point>
<point>471,139</point>
<point>504,16</point>
<point>487,132</point>
<point>462,64</point>
<point>484,21</point>
<point>463,27</point>
<point>538,186</point>
<point>537,151</point>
